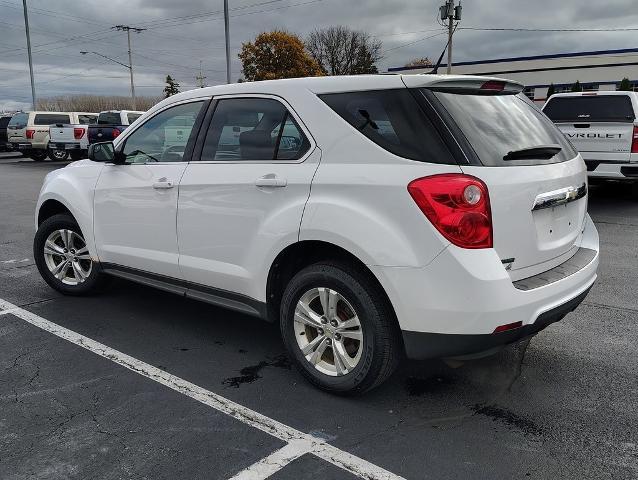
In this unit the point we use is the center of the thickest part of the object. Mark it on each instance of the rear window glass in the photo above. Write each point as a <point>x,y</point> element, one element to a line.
<point>496,125</point>
<point>87,119</point>
<point>19,120</point>
<point>132,117</point>
<point>109,118</point>
<point>393,120</point>
<point>50,119</point>
<point>604,108</point>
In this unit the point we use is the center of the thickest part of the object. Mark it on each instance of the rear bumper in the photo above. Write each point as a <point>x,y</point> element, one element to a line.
<point>612,170</point>
<point>452,307</point>
<point>22,146</point>
<point>421,346</point>
<point>70,147</point>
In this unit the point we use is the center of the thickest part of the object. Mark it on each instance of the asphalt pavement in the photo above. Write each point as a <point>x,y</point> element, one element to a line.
<point>563,405</point>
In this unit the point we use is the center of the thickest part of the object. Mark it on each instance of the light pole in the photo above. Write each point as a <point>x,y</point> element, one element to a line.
<point>26,27</point>
<point>227,34</point>
<point>128,29</point>
<point>130,67</point>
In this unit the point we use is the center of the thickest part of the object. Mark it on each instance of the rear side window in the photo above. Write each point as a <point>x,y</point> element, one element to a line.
<point>496,125</point>
<point>109,118</point>
<point>603,108</point>
<point>393,120</point>
<point>50,119</point>
<point>19,120</point>
<point>87,119</point>
<point>131,117</point>
<point>253,129</point>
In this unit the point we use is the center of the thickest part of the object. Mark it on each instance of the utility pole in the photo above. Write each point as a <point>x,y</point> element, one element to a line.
<point>227,32</point>
<point>26,27</point>
<point>450,13</point>
<point>128,29</point>
<point>200,78</point>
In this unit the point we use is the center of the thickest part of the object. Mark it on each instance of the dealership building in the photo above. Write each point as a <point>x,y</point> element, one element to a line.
<point>598,70</point>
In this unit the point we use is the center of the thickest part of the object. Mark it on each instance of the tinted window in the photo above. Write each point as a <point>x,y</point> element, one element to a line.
<point>4,121</point>
<point>50,119</point>
<point>498,124</point>
<point>132,117</point>
<point>604,108</point>
<point>87,119</point>
<point>19,120</point>
<point>393,120</point>
<point>109,118</point>
<point>253,129</point>
<point>163,138</point>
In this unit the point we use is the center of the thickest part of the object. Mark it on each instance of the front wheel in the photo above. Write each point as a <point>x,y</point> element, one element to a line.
<point>63,258</point>
<point>339,328</point>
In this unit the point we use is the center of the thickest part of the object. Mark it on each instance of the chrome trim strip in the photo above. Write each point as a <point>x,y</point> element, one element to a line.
<point>559,197</point>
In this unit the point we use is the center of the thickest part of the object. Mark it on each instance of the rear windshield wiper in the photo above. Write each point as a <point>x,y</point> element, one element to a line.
<point>542,152</point>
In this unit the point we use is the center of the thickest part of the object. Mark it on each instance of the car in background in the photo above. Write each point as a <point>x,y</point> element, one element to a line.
<point>603,126</point>
<point>29,133</point>
<point>73,139</point>
<point>110,124</point>
<point>4,141</point>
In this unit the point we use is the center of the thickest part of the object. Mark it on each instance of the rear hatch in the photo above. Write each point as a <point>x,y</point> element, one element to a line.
<point>16,130</point>
<point>62,134</point>
<point>601,127</point>
<point>527,165</point>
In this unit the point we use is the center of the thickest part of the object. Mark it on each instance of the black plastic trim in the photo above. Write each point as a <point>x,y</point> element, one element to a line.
<point>629,171</point>
<point>215,296</point>
<point>422,346</point>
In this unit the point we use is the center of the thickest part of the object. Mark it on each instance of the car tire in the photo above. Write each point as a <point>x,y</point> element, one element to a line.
<point>75,156</point>
<point>58,155</point>
<point>338,362</point>
<point>37,155</point>
<point>63,259</point>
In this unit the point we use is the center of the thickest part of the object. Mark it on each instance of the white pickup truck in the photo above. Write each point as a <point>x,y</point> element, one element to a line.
<point>603,126</point>
<point>71,139</point>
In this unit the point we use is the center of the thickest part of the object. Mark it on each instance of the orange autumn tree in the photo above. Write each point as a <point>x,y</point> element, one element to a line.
<point>277,54</point>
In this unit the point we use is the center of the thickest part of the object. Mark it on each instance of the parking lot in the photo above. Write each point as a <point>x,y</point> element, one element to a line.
<point>138,383</point>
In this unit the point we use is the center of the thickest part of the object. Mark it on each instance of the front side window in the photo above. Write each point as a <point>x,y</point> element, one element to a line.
<point>253,129</point>
<point>393,120</point>
<point>163,138</point>
<point>50,119</point>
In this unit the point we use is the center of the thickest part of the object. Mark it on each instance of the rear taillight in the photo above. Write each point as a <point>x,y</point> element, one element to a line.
<point>634,141</point>
<point>78,133</point>
<point>458,206</point>
<point>30,134</point>
<point>116,133</point>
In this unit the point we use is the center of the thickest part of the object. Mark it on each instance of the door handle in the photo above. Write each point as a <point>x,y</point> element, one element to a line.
<point>163,184</point>
<point>271,180</point>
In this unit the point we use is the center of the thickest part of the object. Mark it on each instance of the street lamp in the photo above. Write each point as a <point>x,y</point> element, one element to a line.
<point>124,65</point>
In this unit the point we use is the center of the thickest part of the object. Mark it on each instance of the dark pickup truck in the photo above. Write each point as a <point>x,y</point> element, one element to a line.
<point>4,140</point>
<point>110,124</point>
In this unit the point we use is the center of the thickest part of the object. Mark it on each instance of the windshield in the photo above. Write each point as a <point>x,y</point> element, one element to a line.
<point>496,125</point>
<point>604,108</point>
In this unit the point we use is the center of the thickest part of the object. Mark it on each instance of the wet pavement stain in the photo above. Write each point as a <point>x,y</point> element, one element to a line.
<point>508,417</point>
<point>418,386</point>
<point>251,373</point>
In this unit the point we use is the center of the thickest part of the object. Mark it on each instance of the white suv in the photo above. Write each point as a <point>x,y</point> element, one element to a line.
<point>370,216</point>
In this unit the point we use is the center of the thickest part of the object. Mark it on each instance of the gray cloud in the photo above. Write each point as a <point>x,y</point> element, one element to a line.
<point>169,48</point>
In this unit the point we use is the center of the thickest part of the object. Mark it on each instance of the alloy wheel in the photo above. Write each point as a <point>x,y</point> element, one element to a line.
<point>67,257</point>
<point>328,331</point>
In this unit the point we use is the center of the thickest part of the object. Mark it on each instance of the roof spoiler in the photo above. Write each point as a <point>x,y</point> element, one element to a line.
<point>477,85</point>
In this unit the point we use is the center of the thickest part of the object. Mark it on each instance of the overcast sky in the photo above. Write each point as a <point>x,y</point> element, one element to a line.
<point>175,45</point>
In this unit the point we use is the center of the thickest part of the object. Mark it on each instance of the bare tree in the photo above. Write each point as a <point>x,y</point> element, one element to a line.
<point>420,62</point>
<point>93,103</point>
<point>342,51</point>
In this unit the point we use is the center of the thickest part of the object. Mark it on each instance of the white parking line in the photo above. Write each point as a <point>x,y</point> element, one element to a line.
<point>7,262</point>
<point>298,442</point>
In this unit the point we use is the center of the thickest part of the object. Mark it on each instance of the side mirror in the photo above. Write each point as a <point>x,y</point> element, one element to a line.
<point>105,152</point>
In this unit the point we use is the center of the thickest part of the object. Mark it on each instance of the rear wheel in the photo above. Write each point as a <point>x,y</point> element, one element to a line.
<point>63,258</point>
<point>37,155</point>
<point>339,328</point>
<point>58,155</point>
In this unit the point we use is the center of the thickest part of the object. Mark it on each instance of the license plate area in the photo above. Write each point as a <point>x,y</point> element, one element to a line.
<point>558,225</point>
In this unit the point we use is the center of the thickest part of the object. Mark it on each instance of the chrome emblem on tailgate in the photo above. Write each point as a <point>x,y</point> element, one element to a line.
<point>559,197</point>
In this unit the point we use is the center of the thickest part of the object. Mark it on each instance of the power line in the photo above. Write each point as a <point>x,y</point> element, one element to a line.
<point>503,29</point>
